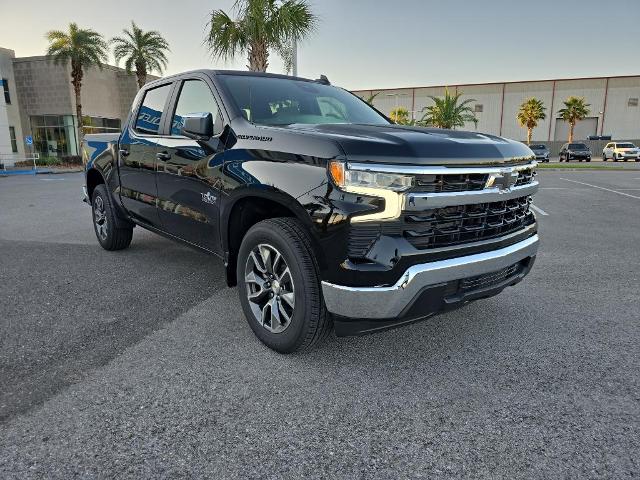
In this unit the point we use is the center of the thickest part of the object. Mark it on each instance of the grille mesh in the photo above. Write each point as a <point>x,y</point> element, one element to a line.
<point>489,279</point>
<point>447,226</point>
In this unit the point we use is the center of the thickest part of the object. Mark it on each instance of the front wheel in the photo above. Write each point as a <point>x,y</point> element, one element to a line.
<point>109,235</point>
<point>279,286</point>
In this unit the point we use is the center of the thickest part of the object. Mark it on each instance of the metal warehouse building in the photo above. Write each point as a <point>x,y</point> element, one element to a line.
<point>614,105</point>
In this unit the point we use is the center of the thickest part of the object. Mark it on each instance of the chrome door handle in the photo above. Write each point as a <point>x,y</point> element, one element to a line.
<point>163,156</point>
<point>123,152</point>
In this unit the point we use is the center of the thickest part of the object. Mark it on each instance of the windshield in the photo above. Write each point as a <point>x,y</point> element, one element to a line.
<point>626,145</point>
<point>537,147</point>
<point>577,146</point>
<point>281,101</point>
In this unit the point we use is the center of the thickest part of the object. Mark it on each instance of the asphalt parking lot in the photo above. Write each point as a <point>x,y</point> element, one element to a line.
<point>140,364</point>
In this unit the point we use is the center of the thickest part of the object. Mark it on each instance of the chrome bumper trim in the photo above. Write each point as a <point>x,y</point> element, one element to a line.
<point>440,170</point>
<point>390,301</point>
<point>423,201</point>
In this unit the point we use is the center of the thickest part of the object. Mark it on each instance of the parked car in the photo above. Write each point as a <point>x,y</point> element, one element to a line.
<point>575,151</point>
<point>323,211</point>
<point>620,151</point>
<point>541,152</point>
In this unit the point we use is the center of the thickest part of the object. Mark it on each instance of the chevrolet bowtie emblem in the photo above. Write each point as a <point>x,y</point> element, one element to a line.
<point>503,181</point>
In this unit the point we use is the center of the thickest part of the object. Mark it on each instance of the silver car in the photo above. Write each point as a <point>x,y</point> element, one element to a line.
<point>541,152</point>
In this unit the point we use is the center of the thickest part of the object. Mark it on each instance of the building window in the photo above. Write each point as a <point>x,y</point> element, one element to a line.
<point>633,102</point>
<point>14,142</point>
<point>5,87</point>
<point>100,125</point>
<point>479,108</point>
<point>54,135</point>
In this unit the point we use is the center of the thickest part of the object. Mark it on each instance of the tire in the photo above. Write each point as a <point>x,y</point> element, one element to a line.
<point>108,234</point>
<point>604,157</point>
<point>308,320</point>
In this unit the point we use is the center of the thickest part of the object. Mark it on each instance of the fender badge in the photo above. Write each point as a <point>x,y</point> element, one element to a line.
<point>209,198</point>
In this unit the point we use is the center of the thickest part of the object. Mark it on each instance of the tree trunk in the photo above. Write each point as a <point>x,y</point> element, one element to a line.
<point>258,57</point>
<point>529,133</point>
<point>141,73</point>
<point>76,81</point>
<point>571,125</point>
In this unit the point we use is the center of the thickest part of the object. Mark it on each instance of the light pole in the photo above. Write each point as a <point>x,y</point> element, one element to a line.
<point>294,58</point>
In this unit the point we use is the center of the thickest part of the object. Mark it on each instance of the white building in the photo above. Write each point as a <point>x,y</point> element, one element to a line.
<point>10,130</point>
<point>614,105</point>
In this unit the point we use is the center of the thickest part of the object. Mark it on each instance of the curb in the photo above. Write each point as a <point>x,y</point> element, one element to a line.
<point>47,171</point>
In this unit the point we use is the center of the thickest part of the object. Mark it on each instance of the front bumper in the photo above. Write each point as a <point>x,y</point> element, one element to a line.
<point>397,301</point>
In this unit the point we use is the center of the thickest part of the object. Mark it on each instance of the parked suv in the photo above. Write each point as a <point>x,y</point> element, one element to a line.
<point>575,151</point>
<point>620,151</point>
<point>324,212</point>
<point>541,152</point>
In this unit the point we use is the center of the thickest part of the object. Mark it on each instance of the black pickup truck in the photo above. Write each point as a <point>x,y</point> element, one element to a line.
<point>325,213</point>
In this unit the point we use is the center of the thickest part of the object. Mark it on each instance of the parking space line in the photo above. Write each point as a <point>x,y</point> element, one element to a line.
<point>539,210</point>
<point>602,188</point>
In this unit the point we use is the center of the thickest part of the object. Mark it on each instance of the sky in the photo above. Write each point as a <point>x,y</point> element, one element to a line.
<point>372,44</point>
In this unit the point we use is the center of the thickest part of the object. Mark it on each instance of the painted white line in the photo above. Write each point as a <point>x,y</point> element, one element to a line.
<point>601,188</point>
<point>539,210</point>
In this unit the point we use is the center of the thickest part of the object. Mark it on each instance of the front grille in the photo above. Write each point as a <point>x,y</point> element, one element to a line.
<point>449,183</point>
<point>488,280</point>
<point>446,226</point>
<point>525,177</point>
<point>441,227</point>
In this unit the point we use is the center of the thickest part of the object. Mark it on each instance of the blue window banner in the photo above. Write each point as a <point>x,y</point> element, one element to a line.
<point>148,120</point>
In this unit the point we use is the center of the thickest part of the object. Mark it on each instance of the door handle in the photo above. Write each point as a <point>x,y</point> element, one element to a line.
<point>163,156</point>
<point>123,152</point>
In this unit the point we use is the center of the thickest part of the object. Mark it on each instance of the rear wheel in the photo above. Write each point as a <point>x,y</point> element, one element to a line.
<point>279,286</point>
<point>109,235</point>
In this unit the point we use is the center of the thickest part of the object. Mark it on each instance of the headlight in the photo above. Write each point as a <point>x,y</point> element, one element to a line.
<point>358,179</point>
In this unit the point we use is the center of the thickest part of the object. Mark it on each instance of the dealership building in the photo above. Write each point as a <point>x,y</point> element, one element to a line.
<point>614,105</point>
<point>38,101</point>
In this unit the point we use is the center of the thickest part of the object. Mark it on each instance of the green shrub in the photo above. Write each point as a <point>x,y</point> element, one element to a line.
<point>48,161</point>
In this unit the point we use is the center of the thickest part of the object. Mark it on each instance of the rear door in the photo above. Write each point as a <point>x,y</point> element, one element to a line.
<point>190,171</point>
<point>138,147</point>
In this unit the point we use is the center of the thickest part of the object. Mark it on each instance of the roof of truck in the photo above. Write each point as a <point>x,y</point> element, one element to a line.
<point>230,72</point>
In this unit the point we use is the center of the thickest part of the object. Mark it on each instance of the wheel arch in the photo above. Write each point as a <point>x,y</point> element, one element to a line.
<point>249,207</point>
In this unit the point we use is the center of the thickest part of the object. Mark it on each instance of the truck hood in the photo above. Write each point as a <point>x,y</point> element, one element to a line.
<point>397,144</point>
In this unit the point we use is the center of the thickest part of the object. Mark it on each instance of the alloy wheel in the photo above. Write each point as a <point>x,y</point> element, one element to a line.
<point>100,218</point>
<point>270,288</point>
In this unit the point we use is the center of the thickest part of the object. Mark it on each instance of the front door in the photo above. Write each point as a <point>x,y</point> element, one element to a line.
<point>138,146</point>
<point>189,172</point>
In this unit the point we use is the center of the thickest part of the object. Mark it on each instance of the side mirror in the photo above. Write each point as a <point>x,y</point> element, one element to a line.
<point>198,126</point>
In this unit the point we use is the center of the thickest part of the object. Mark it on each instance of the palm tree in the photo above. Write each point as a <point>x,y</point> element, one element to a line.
<point>575,109</point>
<point>530,113</point>
<point>446,112</point>
<point>260,25</point>
<point>400,115</point>
<point>84,48</point>
<point>371,98</point>
<point>144,50</point>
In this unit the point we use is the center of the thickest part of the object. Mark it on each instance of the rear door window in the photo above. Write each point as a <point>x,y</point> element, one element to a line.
<point>150,112</point>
